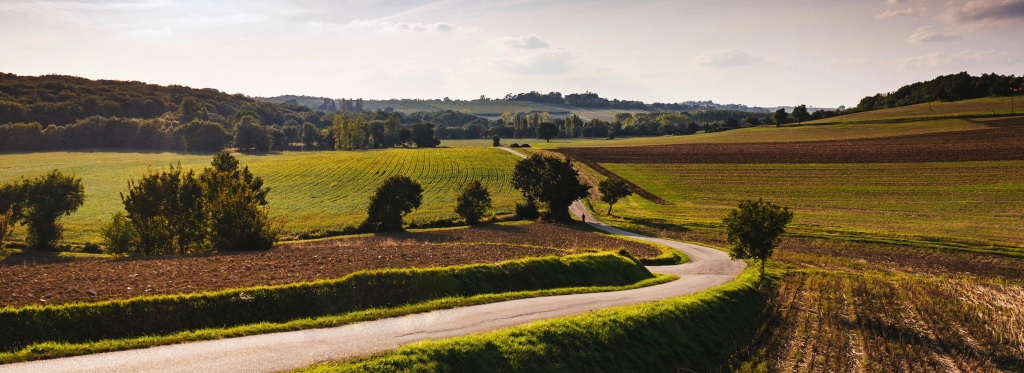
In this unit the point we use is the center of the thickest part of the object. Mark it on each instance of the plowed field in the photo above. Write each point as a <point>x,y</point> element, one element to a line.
<point>36,280</point>
<point>1004,140</point>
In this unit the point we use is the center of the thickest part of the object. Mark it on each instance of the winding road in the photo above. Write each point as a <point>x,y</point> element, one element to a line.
<point>290,350</point>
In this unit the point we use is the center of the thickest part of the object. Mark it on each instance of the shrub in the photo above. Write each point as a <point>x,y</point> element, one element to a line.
<point>496,140</point>
<point>39,203</point>
<point>473,203</point>
<point>527,210</point>
<point>6,223</point>
<point>394,198</point>
<point>177,212</point>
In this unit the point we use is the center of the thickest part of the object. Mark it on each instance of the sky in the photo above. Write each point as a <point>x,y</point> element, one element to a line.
<point>822,53</point>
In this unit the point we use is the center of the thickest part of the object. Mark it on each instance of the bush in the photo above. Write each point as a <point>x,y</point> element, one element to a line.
<point>177,212</point>
<point>496,140</point>
<point>473,203</point>
<point>394,198</point>
<point>39,203</point>
<point>524,145</point>
<point>514,145</point>
<point>527,210</point>
<point>6,224</point>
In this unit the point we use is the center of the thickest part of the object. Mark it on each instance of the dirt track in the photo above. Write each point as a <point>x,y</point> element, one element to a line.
<point>34,280</point>
<point>1003,141</point>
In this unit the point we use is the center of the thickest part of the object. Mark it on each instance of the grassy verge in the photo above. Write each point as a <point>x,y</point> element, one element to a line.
<point>168,314</point>
<point>697,332</point>
<point>49,350</point>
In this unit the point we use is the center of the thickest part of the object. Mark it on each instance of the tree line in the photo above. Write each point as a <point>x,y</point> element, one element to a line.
<point>953,87</point>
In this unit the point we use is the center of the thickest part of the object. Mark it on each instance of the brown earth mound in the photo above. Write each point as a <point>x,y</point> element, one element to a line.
<point>30,281</point>
<point>1003,141</point>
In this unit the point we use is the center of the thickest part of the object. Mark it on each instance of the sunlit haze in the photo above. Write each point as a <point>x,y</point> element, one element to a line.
<point>765,53</point>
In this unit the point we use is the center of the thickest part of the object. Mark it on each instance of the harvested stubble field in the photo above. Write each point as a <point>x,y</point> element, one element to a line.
<point>314,190</point>
<point>1003,140</point>
<point>854,306</point>
<point>47,280</point>
<point>830,321</point>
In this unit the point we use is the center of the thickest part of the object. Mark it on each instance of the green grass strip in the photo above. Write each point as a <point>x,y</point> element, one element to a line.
<point>390,288</point>
<point>699,332</point>
<point>50,350</point>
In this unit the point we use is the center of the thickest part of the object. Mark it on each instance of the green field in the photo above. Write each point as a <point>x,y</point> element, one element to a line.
<point>972,202</point>
<point>769,133</point>
<point>966,108</point>
<point>314,190</point>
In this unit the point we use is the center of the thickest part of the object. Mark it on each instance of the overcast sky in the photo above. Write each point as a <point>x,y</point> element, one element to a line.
<point>767,53</point>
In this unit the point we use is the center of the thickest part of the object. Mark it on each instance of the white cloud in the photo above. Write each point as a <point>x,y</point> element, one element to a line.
<point>525,42</point>
<point>439,27</point>
<point>927,34</point>
<point>984,11</point>
<point>967,57</point>
<point>726,58</point>
<point>893,13</point>
<point>538,62</point>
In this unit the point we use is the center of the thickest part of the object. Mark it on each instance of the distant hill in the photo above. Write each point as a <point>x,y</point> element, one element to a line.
<point>587,106</point>
<point>61,100</point>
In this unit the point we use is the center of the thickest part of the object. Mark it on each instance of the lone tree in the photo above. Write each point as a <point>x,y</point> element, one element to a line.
<point>547,130</point>
<point>473,203</point>
<point>800,113</point>
<point>754,228</point>
<point>780,117</point>
<point>397,196</point>
<point>39,203</point>
<point>550,180</point>
<point>612,190</point>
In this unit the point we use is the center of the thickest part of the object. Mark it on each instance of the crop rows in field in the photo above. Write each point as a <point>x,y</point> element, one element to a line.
<point>1003,141</point>
<point>846,322</point>
<point>959,201</point>
<point>315,190</point>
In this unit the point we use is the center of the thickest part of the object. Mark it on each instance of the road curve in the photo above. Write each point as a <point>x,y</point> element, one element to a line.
<point>290,350</point>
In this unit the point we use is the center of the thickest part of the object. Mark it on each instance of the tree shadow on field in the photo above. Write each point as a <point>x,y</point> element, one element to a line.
<point>657,223</point>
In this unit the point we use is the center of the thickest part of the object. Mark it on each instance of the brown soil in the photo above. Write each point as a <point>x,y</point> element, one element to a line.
<point>30,279</point>
<point>1004,140</point>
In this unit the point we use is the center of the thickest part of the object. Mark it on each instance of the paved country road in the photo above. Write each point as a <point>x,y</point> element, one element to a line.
<point>290,350</point>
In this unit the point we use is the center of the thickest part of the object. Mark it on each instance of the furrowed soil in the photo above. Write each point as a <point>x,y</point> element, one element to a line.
<point>1003,140</point>
<point>33,279</point>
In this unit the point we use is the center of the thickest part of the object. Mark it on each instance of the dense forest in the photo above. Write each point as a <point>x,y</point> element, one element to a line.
<point>953,87</point>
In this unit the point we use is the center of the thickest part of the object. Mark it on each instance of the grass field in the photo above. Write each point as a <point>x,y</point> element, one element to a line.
<point>843,131</point>
<point>962,201</point>
<point>315,190</point>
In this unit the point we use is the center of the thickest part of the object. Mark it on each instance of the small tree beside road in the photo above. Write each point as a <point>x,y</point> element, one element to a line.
<point>550,180</point>
<point>612,190</point>
<point>754,228</point>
